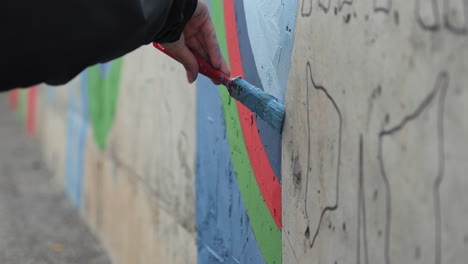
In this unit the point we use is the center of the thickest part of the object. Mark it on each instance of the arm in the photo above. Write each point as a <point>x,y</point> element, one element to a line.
<point>53,40</point>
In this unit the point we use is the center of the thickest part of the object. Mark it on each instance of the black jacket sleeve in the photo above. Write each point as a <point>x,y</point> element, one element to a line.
<point>53,40</point>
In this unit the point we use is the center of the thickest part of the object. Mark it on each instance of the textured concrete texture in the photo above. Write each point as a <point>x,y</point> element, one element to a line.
<point>374,141</point>
<point>133,181</point>
<point>38,224</point>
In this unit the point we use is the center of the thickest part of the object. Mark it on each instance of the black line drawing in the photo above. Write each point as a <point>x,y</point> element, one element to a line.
<point>449,24</point>
<point>362,223</point>
<point>312,85</point>
<point>290,245</point>
<point>342,3</point>
<point>430,26</point>
<point>370,102</point>
<point>380,7</point>
<point>306,7</point>
<point>325,8</point>
<point>309,9</point>
<point>438,92</point>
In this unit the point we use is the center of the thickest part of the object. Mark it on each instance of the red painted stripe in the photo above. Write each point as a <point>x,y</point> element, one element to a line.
<point>264,174</point>
<point>14,99</point>
<point>31,110</point>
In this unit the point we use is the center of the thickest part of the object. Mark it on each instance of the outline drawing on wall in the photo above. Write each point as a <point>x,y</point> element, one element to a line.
<point>327,205</point>
<point>429,17</point>
<point>306,14</point>
<point>361,212</point>
<point>459,11</point>
<point>433,16</point>
<point>342,3</point>
<point>325,8</point>
<point>382,6</point>
<point>436,97</point>
<point>306,9</point>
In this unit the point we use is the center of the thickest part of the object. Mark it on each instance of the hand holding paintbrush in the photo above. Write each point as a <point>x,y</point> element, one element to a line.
<point>198,41</point>
<point>263,104</point>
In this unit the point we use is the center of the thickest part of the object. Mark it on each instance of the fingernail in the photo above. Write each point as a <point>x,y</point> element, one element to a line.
<point>190,77</point>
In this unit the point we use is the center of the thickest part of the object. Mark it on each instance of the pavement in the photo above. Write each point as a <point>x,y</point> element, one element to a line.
<point>38,224</point>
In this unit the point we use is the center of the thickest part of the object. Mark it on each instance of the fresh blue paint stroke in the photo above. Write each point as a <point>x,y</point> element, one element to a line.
<point>224,232</point>
<point>76,138</point>
<point>270,138</point>
<point>270,26</point>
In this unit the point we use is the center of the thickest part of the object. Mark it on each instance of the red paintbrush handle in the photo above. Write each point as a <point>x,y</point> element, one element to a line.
<point>205,67</point>
<point>159,47</point>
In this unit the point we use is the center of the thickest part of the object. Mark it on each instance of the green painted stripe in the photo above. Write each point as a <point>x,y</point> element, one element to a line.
<point>103,93</point>
<point>265,230</point>
<point>22,103</point>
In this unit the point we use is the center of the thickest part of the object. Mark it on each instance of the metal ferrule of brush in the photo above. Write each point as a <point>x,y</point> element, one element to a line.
<point>265,105</point>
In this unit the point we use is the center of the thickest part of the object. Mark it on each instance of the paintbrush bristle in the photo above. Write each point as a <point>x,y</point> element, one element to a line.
<point>264,105</point>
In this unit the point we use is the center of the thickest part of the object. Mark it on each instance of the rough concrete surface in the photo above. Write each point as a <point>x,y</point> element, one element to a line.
<point>374,157</point>
<point>38,224</point>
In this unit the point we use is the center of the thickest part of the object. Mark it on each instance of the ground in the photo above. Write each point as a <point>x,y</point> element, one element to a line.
<point>38,224</point>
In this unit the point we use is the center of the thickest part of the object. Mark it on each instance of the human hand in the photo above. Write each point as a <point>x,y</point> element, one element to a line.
<point>200,36</point>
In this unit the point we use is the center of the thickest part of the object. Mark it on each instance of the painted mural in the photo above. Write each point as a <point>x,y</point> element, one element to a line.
<point>92,101</point>
<point>248,196</point>
<point>89,101</point>
<point>24,101</point>
<point>238,156</point>
<point>103,81</point>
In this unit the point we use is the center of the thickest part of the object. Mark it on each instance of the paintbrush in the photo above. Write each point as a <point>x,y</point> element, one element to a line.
<point>264,105</point>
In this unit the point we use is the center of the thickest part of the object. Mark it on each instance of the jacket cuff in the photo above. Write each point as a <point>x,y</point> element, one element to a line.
<point>179,15</point>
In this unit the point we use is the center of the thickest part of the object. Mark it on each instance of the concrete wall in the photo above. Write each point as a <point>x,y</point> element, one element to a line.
<point>121,138</point>
<point>370,168</point>
<point>374,146</point>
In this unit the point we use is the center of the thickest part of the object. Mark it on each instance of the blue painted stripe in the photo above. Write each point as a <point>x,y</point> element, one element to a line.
<point>224,231</point>
<point>70,150</point>
<point>83,130</point>
<point>76,140</point>
<point>104,68</point>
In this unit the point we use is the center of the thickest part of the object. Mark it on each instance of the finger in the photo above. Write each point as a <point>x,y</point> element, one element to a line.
<point>224,68</point>
<point>187,59</point>
<point>213,49</point>
<point>216,82</point>
<point>195,45</point>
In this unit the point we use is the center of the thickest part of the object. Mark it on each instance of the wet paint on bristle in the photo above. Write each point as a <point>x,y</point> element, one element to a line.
<point>266,106</point>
